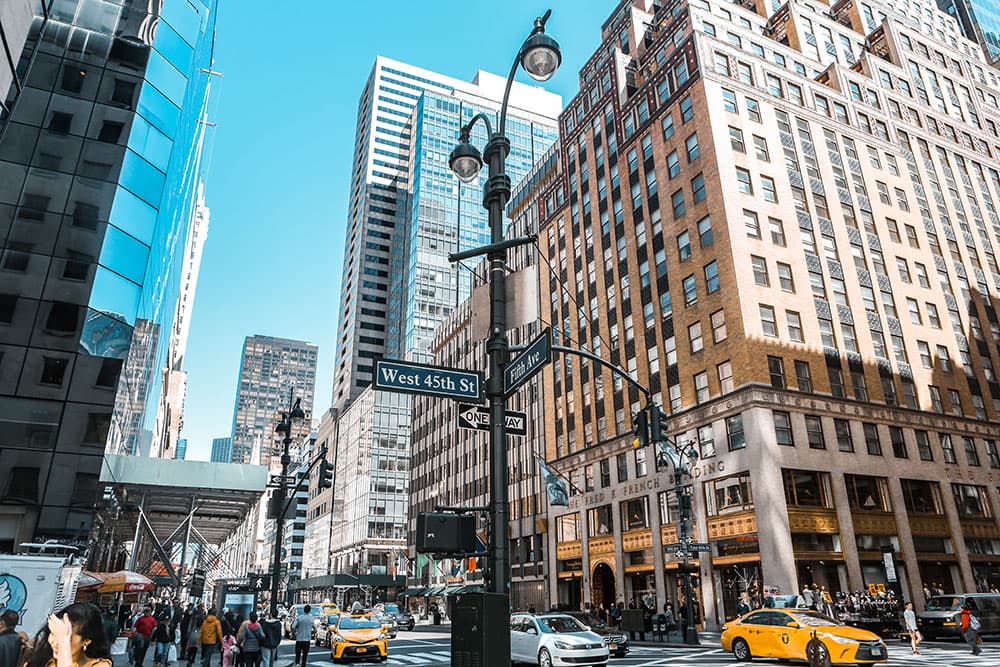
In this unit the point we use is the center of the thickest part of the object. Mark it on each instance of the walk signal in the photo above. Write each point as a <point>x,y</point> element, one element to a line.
<point>640,426</point>
<point>657,424</point>
<point>325,475</point>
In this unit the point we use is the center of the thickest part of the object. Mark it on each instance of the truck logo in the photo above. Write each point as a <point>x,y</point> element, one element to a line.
<point>13,594</point>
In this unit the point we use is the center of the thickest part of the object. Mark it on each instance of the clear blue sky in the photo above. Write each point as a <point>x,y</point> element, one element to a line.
<point>280,171</point>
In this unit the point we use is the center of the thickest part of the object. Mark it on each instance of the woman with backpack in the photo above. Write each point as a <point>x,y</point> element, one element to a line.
<point>163,640</point>
<point>250,641</point>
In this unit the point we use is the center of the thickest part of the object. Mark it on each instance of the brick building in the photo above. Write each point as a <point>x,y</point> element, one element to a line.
<point>781,217</point>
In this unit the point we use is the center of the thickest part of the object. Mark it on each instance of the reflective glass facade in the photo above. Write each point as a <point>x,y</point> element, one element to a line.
<point>980,21</point>
<point>100,155</point>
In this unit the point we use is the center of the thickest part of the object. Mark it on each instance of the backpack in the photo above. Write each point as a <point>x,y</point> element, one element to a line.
<point>974,622</point>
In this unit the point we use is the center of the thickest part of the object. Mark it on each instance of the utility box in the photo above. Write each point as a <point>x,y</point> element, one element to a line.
<point>480,630</point>
<point>441,533</point>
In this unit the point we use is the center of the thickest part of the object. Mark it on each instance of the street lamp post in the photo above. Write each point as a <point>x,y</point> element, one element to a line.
<point>284,427</point>
<point>540,57</point>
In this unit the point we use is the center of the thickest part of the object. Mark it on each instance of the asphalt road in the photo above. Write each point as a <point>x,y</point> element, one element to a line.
<point>433,649</point>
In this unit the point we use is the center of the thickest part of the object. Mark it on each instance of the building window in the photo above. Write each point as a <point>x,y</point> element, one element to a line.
<point>718,320</point>
<point>677,204</point>
<point>794,326</point>
<point>836,375</point>
<point>768,323</point>
<point>971,501</point>
<point>783,429</point>
<point>860,385</point>
<point>568,527</point>
<point>872,442</point>
<point>729,494</point>
<point>743,183</point>
<point>751,224</point>
<point>760,276</point>
<point>867,494</point>
<point>705,228</point>
<point>898,442</point>
<point>701,393</point>
<point>785,279</point>
<point>947,448</point>
<point>806,488</point>
<point>814,432</point>
<point>605,467</point>
<point>684,246</point>
<point>991,454</point>
<point>693,150</point>
<point>803,376</point>
<point>712,277</point>
<point>725,373</point>
<point>690,291</point>
<point>635,513</point>
<point>971,453</point>
<point>776,369</point>
<point>770,191</point>
<point>706,441</point>
<point>843,430</point>
<point>760,148</point>
<point>53,370</point>
<point>588,478</point>
<point>734,432</point>
<point>924,446</point>
<point>921,497</point>
<point>695,338</point>
<point>622,463</point>
<point>599,519</point>
<point>736,140</point>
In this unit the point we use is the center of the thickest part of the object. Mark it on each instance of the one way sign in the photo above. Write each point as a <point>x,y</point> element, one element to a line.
<point>477,418</point>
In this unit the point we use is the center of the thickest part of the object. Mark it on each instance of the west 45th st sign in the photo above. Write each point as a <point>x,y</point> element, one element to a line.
<point>413,378</point>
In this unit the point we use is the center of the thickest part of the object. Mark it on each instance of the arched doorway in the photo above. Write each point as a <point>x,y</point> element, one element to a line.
<point>602,586</point>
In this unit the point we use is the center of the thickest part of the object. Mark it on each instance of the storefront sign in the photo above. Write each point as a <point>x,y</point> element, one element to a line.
<point>889,560</point>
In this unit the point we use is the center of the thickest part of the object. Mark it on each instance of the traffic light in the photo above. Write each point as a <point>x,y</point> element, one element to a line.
<point>325,475</point>
<point>640,426</point>
<point>657,424</point>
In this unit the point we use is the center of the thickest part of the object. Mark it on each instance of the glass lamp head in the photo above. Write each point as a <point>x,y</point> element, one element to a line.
<point>540,56</point>
<point>466,161</point>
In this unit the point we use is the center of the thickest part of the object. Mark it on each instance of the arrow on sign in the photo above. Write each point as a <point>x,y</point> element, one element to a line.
<point>477,418</point>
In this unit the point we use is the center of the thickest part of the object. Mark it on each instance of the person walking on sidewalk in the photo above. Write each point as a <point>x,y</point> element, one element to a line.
<point>163,639</point>
<point>250,640</point>
<point>303,635</point>
<point>970,630</point>
<point>210,638</point>
<point>142,634</point>
<point>272,639</point>
<point>910,623</point>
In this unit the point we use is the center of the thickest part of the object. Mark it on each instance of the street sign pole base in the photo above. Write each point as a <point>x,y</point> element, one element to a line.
<point>691,636</point>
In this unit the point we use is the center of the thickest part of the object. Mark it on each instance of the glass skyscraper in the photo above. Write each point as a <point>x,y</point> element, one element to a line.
<point>101,140</point>
<point>980,21</point>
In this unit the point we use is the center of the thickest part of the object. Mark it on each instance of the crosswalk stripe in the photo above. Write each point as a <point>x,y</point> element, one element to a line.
<point>441,654</point>
<point>411,659</point>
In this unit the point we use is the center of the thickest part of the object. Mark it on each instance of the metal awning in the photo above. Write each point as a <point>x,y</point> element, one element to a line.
<point>451,590</point>
<point>434,590</point>
<point>166,501</point>
<point>412,592</point>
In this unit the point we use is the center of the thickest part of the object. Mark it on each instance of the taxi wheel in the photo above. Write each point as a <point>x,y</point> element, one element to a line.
<point>817,654</point>
<point>741,650</point>
<point>544,658</point>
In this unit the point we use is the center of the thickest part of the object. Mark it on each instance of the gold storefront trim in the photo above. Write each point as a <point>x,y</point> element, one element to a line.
<point>731,525</point>
<point>813,521</point>
<point>569,550</point>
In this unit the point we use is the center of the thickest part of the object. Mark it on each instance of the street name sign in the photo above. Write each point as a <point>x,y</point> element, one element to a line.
<point>693,546</point>
<point>477,418</point>
<point>413,378</point>
<point>532,358</point>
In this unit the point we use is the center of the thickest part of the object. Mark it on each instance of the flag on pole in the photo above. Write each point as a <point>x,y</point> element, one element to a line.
<point>556,486</point>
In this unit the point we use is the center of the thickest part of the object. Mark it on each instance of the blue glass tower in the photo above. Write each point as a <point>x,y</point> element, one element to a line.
<point>101,140</point>
<point>980,21</point>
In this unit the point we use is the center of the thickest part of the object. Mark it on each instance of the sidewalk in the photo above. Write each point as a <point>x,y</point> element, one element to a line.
<point>675,640</point>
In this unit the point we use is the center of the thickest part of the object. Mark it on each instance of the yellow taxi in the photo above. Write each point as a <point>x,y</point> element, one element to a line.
<point>798,634</point>
<point>329,608</point>
<point>358,637</point>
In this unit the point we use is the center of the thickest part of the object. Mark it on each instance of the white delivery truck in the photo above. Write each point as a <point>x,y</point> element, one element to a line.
<point>36,585</point>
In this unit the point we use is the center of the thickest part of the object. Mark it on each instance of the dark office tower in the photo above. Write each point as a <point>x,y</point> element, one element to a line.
<point>101,138</point>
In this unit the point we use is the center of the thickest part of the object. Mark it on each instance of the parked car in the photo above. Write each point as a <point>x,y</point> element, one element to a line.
<point>942,617</point>
<point>787,634</point>
<point>616,640</point>
<point>404,619</point>
<point>554,639</point>
<point>387,620</point>
<point>324,629</point>
<point>358,637</point>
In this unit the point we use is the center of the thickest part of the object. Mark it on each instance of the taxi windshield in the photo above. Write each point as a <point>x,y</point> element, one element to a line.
<point>944,603</point>
<point>391,609</point>
<point>560,624</point>
<point>813,620</point>
<point>348,623</point>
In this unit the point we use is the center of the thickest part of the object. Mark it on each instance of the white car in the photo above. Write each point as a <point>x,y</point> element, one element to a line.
<point>551,640</point>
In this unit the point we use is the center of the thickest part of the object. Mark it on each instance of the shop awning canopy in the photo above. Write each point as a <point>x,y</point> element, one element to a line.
<point>413,592</point>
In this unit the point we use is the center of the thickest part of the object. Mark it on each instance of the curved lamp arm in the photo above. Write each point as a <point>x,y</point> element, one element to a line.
<point>466,131</point>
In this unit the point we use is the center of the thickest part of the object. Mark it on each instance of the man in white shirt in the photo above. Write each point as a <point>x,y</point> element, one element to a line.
<point>303,626</point>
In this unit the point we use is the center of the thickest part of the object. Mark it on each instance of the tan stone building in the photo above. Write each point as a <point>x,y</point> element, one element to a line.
<point>781,217</point>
